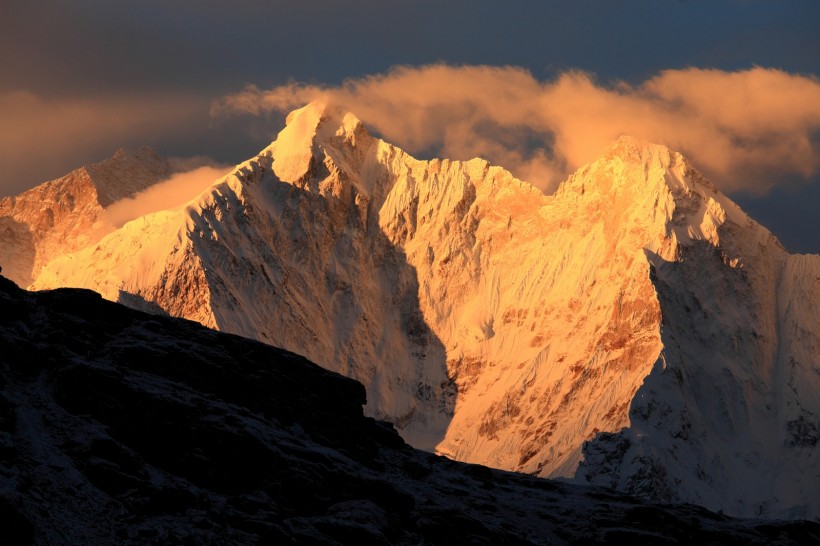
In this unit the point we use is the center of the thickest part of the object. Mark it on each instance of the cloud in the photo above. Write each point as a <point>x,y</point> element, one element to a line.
<point>744,129</point>
<point>166,195</point>
<point>43,138</point>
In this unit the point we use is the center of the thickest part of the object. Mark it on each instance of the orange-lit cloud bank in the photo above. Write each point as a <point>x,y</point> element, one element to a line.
<point>746,129</point>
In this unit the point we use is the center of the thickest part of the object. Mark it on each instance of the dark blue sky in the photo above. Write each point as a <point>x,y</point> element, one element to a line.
<point>98,46</point>
<point>190,52</point>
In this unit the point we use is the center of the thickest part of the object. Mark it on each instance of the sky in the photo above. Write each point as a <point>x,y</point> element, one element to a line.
<point>540,87</point>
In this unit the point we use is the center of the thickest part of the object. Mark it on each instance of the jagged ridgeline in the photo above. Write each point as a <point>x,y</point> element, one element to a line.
<point>635,329</point>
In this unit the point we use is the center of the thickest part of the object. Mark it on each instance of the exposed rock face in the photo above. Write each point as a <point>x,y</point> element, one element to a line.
<point>637,319</point>
<point>121,427</point>
<point>61,216</point>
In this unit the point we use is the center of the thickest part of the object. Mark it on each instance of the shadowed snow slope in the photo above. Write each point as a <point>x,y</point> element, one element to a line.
<point>637,319</point>
<point>120,427</point>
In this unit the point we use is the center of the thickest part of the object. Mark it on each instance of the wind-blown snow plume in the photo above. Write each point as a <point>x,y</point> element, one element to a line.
<point>744,127</point>
<point>176,191</point>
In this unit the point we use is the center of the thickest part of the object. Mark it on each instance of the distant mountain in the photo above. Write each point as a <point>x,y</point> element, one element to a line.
<point>635,330</point>
<point>61,216</point>
<point>119,427</point>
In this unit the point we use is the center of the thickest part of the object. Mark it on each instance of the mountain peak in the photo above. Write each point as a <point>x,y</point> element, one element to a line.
<point>323,112</point>
<point>646,165</point>
<point>60,216</point>
<point>659,158</point>
<point>633,150</point>
<point>126,173</point>
<point>631,165</point>
<point>637,178</point>
<point>312,133</point>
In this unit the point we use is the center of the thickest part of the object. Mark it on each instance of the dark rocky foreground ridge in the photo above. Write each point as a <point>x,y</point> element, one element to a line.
<point>120,427</point>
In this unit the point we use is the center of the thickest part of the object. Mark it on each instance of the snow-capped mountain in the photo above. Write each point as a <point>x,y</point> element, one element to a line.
<point>635,330</point>
<point>63,215</point>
